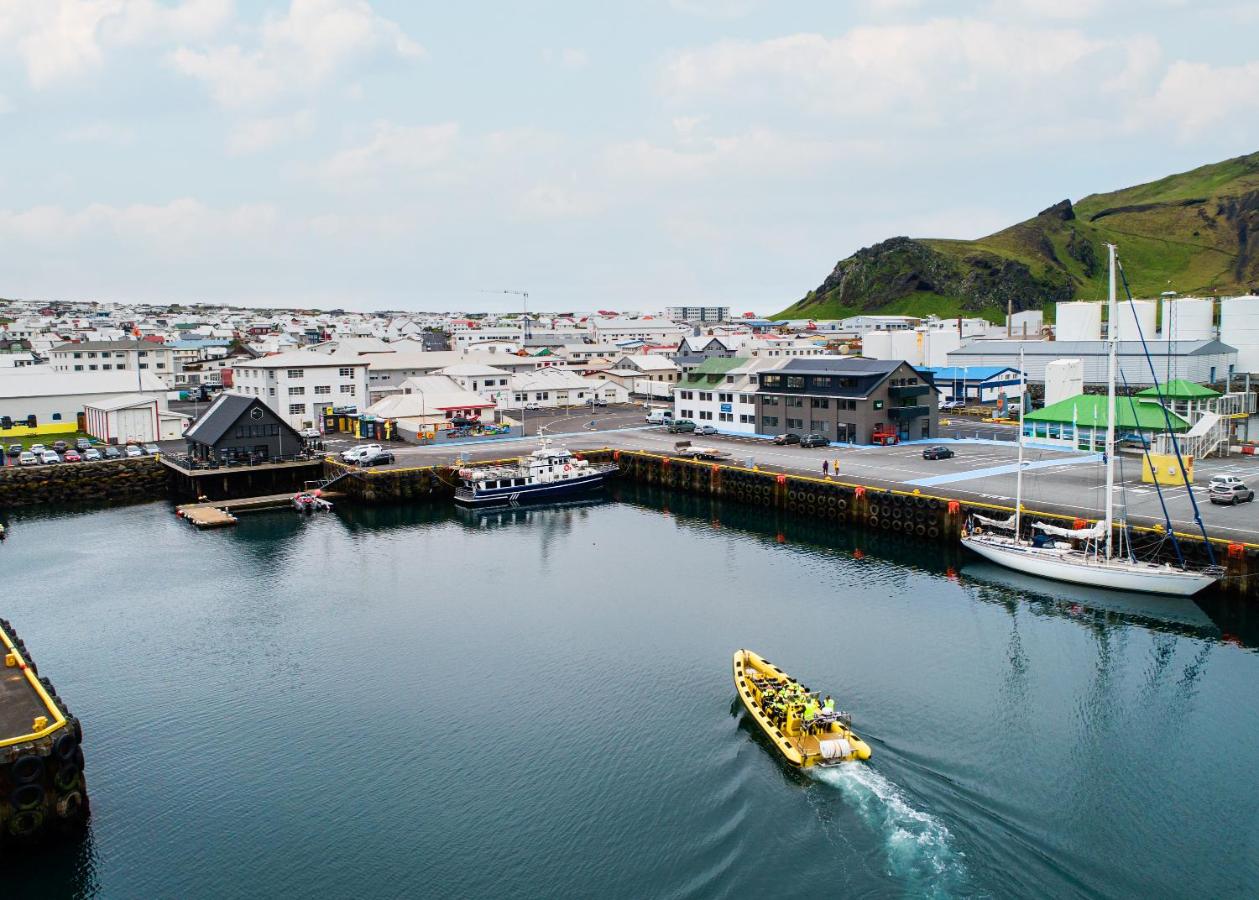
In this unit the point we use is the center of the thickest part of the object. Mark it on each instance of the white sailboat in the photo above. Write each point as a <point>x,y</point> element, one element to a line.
<point>1096,564</point>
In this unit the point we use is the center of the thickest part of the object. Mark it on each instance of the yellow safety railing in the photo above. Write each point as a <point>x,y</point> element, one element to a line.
<point>58,720</point>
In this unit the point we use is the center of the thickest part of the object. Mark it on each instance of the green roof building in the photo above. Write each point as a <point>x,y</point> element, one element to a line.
<point>1081,421</point>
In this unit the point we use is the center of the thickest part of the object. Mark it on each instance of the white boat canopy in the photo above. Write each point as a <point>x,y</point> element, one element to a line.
<point>1005,524</point>
<point>1097,531</point>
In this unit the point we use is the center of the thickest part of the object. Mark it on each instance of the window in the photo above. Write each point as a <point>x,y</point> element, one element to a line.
<point>296,409</point>
<point>142,353</point>
<point>347,389</point>
<point>770,401</point>
<point>795,382</point>
<point>725,417</point>
<point>297,373</point>
<point>817,426</point>
<point>821,381</point>
<point>772,381</point>
<point>78,356</point>
<point>93,367</point>
<point>107,366</point>
<point>346,372</point>
<point>745,419</point>
<point>323,389</point>
<point>769,421</point>
<point>795,402</point>
<point>795,423</point>
<point>56,417</point>
<point>91,356</point>
<point>298,391</point>
<point>705,415</point>
<point>78,368</point>
<point>725,398</point>
<point>822,403</point>
<point>685,414</point>
<point>706,395</point>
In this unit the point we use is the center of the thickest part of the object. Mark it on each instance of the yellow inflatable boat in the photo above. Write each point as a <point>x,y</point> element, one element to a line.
<point>805,736</point>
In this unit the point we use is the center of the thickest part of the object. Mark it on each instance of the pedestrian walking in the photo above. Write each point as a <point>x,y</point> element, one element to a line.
<point>826,466</point>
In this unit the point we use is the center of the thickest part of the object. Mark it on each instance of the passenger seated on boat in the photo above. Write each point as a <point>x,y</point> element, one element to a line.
<point>810,714</point>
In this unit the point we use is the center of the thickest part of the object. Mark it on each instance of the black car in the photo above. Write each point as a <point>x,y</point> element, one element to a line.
<point>14,450</point>
<point>814,440</point>
<point>60,446</point>
<point>787,439</point>
<point>112,452</point>
<point>938,453</point>
<point>376,459</point>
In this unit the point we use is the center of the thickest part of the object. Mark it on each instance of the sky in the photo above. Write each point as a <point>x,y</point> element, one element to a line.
<point>400,154</point>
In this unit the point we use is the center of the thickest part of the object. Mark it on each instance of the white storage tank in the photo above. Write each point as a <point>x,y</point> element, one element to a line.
<point>1130,315</point>
<point>1079,320</point>
<point>907,345</point>
<point>1239,328</point>
<point>876,345</point>
<point>937,346</point>
<point>1188,319</point>
<point>1063,378</point>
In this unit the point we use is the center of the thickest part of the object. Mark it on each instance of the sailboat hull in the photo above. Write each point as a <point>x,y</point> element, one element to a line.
<point>1076,568</point>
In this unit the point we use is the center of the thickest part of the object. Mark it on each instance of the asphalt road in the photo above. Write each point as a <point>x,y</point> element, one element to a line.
<point>1054,481</point>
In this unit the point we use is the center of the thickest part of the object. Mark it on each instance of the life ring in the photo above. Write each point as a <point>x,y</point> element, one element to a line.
<point>567,467</point>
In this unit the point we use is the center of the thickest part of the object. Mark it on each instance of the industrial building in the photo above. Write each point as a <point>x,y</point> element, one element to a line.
<point>1205,362</point>
<point>981,384</point>
<point>47,397</point>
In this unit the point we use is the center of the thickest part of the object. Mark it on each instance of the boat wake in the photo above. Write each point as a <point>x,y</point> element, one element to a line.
<point>918,845</point>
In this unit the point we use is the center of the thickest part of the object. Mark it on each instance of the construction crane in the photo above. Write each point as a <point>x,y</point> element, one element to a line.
<point>524,295</point>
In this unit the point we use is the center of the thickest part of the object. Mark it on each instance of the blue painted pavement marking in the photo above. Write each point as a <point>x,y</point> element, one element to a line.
<point>1004,470</point>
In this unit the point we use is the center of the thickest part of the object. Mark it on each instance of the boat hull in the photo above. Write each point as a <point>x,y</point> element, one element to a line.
<point>533,493</point>
<point>1072,568</point>
<point>798,750</point>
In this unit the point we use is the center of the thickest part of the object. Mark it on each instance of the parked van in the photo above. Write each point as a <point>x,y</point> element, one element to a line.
<point>660,417</point>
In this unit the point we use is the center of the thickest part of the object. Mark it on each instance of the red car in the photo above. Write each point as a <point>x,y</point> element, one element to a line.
<point>72,456</point>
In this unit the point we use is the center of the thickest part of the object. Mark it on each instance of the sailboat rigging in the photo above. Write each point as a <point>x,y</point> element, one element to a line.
<point>1096,563</point>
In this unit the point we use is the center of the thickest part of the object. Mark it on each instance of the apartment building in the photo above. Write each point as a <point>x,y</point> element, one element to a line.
<point>113,356</point>
<point>721,392</point>
<point>299,386</point>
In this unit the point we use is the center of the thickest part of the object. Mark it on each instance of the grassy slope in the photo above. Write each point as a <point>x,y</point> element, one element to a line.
<point>1170,247</point>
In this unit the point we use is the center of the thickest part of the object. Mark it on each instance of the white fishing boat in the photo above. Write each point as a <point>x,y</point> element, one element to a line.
<point>1089,555</point>
<point>548,473</point>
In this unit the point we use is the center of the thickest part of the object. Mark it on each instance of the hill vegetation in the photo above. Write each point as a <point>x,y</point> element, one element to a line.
<point>1195,233</point>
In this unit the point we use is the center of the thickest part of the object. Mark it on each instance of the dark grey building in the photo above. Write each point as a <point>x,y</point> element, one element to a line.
<point>241,428</point>
<point>848,400</point>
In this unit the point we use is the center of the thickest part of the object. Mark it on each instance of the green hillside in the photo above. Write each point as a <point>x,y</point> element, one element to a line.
<point>1188,232</point>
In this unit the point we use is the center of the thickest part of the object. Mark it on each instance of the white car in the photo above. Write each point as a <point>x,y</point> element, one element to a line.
<point>133,451</point>
<point>533,404</point>
<point>309,433</point>
<point>49,457</point>
<point>1223,481</point>
<point>355,454</point>
<point>91,454</point>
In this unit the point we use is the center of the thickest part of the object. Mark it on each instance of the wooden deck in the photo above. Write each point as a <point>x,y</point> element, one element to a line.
<point>221,513</point>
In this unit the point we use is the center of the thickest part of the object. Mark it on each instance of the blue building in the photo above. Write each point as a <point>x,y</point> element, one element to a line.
<point>977,384</point>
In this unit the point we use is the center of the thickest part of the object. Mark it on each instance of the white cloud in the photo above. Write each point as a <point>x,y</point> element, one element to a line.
<point>182,222</point>
<point>61,39</point>
<point>912,74</point>
<point>100,133</point>
<point>293,53</point>
<point>569,58</point>
<point>1193,97</point>
<point>392,147</point>
<point>257,134</point>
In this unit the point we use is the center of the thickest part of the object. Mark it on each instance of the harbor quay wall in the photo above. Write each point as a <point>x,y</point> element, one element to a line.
<point>237,483</point>
<point>43,791</point>
<point>107,481</point>
<point>911,514</point>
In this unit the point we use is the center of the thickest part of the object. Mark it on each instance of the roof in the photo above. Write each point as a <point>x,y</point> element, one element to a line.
<point>472,370</point>
<point>1180,389</point>
<point>439,392</point>
<point>854,365</point>
<point>970,373</point>
<point>1089,411</point>
<point>713,366</point>
<point>107,345</point>
<point>1092,348</point>
<point>125,401</point>
<point>302,359</point>
<point>40,381</point>
<point>221,415</point>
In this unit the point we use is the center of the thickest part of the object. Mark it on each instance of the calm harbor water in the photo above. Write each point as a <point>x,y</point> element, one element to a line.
<point>405,702</point>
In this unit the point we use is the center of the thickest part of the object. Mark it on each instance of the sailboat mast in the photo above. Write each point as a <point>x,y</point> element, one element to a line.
<point>1018,478</point>
<point>1112,364</point>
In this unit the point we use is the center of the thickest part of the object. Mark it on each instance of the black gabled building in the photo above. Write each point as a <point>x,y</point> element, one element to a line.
<point>848,399</point>
<point>237,428</point>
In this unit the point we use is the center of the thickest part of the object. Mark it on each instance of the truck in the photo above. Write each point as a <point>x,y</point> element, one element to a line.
<point>689,450</point>
<point>660,417</point>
